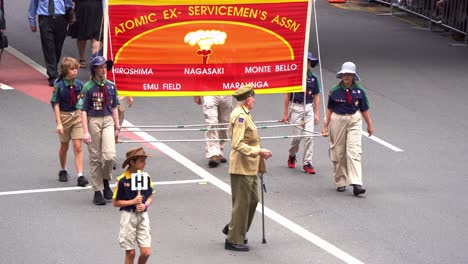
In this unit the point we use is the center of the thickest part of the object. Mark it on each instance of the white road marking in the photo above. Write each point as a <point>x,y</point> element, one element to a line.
<point>302,232</point>
<point>89,187</point>
<point>5,87</point>
<point>382,142</point>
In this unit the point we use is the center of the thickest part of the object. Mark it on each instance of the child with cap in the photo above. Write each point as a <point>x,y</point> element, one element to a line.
<point>68,118</point>
<point>303,109</point>
<point>98,104</point>
<point>134,220</point>
<point>347,105</point>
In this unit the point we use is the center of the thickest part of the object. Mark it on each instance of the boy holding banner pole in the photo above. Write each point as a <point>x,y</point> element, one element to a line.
<point>133,194</point>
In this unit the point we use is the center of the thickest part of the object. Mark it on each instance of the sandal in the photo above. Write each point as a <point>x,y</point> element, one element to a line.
<point>82,64</point>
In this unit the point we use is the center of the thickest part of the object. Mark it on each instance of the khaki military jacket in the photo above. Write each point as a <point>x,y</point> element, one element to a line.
<point>245,144</point>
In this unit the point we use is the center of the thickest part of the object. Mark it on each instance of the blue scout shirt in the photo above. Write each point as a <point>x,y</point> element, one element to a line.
<point>123,190</point>
<point>92,98</point>
<point>337,99</point>
<point>312,88</point>
<point>62,94</point>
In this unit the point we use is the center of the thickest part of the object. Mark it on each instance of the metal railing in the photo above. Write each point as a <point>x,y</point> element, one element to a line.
<point>450,14</point>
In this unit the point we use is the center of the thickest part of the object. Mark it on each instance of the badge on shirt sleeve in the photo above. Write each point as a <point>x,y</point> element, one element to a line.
<point>241,120</point>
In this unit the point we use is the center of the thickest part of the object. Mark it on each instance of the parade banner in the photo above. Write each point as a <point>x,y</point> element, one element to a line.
<point>187,48</point>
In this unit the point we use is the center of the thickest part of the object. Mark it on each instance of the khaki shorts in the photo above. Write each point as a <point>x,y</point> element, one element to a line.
<point>134,226</point>
<point>72,127</point>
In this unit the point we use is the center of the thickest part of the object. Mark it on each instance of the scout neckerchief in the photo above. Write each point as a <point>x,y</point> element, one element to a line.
<point>71,86</point>
<point>348,96</point>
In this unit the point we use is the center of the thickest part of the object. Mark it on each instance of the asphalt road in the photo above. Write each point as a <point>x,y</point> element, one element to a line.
<point>415,210</point>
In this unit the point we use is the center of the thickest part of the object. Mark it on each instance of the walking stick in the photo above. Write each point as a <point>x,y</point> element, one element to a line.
<point>261,171</point>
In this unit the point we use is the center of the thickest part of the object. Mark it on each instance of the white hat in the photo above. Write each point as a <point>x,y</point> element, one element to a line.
<point>348,67</point>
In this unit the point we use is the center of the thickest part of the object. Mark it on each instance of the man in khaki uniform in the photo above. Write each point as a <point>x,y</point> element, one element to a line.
<point>243,168</point>
<point>216,110</point>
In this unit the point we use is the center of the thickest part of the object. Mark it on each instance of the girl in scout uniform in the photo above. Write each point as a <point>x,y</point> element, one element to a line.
<point>347,104</point>
<point>68,118</point>
<point>98,103</point>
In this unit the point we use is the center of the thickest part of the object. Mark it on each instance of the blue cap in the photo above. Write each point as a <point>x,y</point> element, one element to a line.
<point>314,61</point>
<point>100,60</point>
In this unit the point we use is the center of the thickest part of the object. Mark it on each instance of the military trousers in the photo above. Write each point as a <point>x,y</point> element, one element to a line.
<point>297,114</point>
<point>345,148</point>
<point>101,150</point>
<point>244,190</point>
<point>216,110</point>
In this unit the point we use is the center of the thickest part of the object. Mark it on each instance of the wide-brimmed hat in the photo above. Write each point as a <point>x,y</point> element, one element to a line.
<point>100,60</point>
<point>313,61</point>
<point>134,154</point>
<point>348,67</point>
<point>244,92</point>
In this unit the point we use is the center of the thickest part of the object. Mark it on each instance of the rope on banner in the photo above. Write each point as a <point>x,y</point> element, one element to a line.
<point>320,60</point>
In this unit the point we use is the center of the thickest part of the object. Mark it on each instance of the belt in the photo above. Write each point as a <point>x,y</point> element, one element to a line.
<point>132,210</point>
<point>53,16</point>
<point>301,102</point>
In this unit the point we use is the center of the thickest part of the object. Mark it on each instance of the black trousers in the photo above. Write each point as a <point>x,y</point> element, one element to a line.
<point>53,31</point>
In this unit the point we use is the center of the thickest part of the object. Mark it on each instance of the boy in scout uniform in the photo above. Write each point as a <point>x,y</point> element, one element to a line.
<point>134,219</point>
<point>347,105</point>
<point>243,168</point>
<point>304,109</point>
<point>68,118</point>
<point>98,103</point>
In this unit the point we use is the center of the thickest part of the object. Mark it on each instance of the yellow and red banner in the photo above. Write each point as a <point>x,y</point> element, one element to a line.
<point>187,48</point>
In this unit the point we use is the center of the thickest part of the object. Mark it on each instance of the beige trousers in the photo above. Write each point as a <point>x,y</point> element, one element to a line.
<point>244,190</point>
<point>101,150</point>
<point>297,113</point>
<point>216,110</point>
<point>345,148</point>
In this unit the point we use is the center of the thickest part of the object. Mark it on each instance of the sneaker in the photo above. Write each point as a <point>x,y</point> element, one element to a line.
<point>82,181</point>
<point>309,169</point>
<point>292,162</point>
<point>63,176</point>
<point>107,190</point>
<point>214,161</point>
<point>98,199</point>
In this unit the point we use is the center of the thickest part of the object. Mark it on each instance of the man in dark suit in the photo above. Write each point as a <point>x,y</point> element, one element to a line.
<point>53,29</point>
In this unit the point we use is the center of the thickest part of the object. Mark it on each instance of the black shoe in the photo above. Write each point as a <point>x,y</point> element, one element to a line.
<point>222,159</point>
<point>213,162</point>
<point>357,189</point>
<point>236,247</point>
<point>226,231</point>
<point>51,81</point>
<point>341,189</point>
<point>98,199</point>
<point>63,176</point>
<point>82,181</point>
<point>107,190</point>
